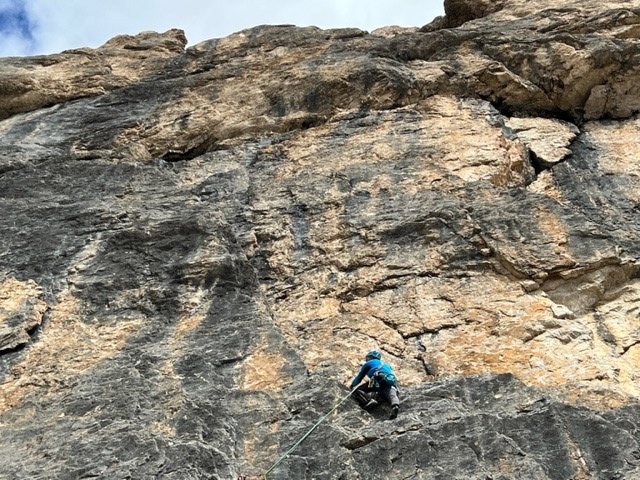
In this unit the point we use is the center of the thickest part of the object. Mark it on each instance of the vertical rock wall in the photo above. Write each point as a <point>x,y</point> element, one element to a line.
<point>198,247</point>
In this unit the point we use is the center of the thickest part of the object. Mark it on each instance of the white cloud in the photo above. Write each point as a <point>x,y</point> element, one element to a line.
<point>13,45</point>
<point>67,24</point>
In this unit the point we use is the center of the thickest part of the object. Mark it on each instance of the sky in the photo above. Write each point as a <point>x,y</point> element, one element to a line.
<point>42,27</point>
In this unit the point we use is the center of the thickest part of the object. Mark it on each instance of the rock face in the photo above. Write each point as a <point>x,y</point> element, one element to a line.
<point>199,246</point>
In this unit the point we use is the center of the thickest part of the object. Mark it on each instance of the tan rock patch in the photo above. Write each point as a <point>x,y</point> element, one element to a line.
<point>262,371</point>
<point>21,310</point>
<point>173,401</point>
<point>549,139</point>
<point>69,347</point>
<point>619,144</point>
<point>483,324</point>
<point>195,308</point>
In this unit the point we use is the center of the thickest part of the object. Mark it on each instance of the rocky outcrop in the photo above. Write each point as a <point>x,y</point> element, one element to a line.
<point>200,245</point>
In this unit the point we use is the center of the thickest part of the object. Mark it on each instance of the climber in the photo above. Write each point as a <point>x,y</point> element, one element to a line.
<point>381,386</point>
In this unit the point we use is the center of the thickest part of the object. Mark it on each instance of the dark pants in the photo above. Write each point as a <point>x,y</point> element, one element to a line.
<point>364,393</point>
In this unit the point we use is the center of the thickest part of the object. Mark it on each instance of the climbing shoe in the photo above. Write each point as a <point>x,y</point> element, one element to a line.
<point>371,404</point>
<point>394,412</point>
<point>360,397</point>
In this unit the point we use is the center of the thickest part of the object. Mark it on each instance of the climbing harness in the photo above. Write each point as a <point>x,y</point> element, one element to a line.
<point>306,435</point>
<point>379,379</point>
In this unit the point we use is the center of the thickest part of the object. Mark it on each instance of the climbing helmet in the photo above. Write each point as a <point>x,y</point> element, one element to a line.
<point>373,354</point>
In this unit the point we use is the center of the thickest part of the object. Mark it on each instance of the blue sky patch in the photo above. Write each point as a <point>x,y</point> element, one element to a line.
<point>15,21</point>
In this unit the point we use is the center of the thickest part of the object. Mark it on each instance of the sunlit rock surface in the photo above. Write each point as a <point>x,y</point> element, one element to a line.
<point>199,246</point>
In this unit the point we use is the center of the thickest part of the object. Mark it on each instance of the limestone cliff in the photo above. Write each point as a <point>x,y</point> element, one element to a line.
<point>199,245</point>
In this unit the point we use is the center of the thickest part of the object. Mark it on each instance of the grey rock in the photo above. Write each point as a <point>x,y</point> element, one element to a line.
<point>560,311</point>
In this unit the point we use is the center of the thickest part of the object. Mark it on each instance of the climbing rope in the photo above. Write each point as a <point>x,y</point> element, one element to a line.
<point>306,435</point>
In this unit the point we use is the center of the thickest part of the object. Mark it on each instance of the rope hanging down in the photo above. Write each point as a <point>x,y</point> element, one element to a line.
<point>307,434</point>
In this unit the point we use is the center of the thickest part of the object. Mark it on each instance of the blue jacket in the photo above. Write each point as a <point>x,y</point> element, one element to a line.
<point>369,369</point>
